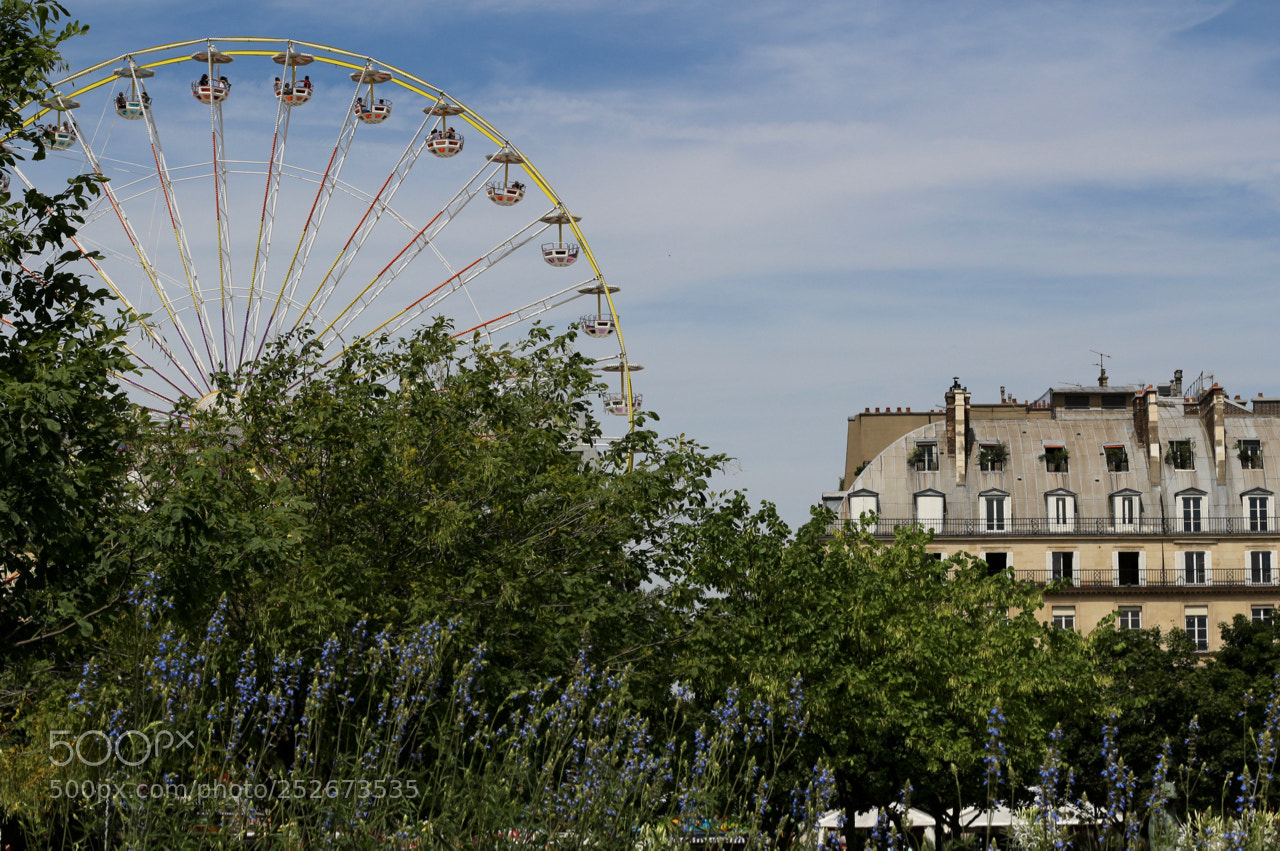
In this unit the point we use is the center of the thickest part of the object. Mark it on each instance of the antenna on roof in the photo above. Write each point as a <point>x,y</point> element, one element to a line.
<point>1102,369</point>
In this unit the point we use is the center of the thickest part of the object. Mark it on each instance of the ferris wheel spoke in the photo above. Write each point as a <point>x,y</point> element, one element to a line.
<point>266,225</point>
<point>422,240</point>
<point>224,232</point>
<point>111,284</point>
<point>145,261</point>
<point>524,314</point>
<point>315,217</point>
<point>151,331</point>
<point>175,217</point>
<point>454,282</point>
<point>125,193</point>
<point>148,268</point>
<point>378,205</point>
<point>150,391</point>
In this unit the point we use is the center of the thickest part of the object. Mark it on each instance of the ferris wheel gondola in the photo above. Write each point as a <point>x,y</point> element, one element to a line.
<point>372,111</point>
<point>622,402</point>
<point>292,91</point>
<point>213,87</point>
<point>444,141</point>
<point>133,106</point>
<point>507,192</point>
<point>560,253</point>
<point>332,246</point>
<point>60,136</point>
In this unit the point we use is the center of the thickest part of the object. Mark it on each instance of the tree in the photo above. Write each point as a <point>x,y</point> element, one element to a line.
<point>1147,684</point>
<point>419,481</point>
<point>1234,697</point>
<point>901,656</point>
<point>65,424</point>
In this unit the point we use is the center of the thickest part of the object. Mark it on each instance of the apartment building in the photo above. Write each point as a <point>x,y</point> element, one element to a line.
<point>1155,503</point>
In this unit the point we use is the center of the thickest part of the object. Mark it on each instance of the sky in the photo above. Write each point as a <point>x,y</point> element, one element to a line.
<point>816,208</point>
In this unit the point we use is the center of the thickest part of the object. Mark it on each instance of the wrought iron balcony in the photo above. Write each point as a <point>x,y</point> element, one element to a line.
<point>1080,527</point>
<point>1110,579</point>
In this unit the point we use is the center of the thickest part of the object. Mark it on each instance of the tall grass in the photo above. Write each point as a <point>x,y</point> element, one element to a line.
<point>382,740</point>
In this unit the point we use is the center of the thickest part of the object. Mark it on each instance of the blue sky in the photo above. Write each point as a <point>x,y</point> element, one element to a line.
<point>816,208</point>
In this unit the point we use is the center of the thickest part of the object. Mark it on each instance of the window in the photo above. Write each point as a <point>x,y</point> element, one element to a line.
<point>1130,617</point>
<point>1126,509</point>
<point>1250,454</point>
<point>1074,400</point>
<point>1263,614</point>
<point>925,456</point>
<point>1197,620</point>
<point>1193,572</point>
<point>993,510</point>
<point>863,501</point>
<point>1064,617</point>
<point>1256,504</point>
<point>1257,513</point>
<point>931,506</point>
<point>1115,400</point>
<point>991,457</point>
<point>1129,568</point>
<point>1191,513</point>
<point>1060,508</point>
<point>1055,459</point>
<point>1260,568</point>
<point>1117,459</point>
<point>1181,454</point>
<point>994,513</point>
<point>1060,567</point>
<point>996,563</point>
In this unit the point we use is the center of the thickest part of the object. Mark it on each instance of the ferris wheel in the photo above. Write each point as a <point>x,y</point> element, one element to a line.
<point>258,187</point>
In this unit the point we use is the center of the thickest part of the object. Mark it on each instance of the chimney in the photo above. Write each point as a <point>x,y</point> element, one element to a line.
<point>1213,418</point>
<point>1002,400</point>
<point>1146,423</point>
<point>1102,377</point>
<point>1175,387</point>
<point>958,427</point>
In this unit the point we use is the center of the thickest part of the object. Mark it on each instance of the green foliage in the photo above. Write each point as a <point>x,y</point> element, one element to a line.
<point>1056,459</point>
<point>993,455</point>
<point>65,425</point>
<point>1181,454</point>
<point>418,482</point>
<point>901,655</point>
<point>1148,683</point>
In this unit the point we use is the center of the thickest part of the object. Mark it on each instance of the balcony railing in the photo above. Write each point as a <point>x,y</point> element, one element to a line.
<point>1111,579</point>
<point>1079,527</point>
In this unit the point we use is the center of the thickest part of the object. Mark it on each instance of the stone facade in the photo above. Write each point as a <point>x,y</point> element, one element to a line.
<point>1132,501</point>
